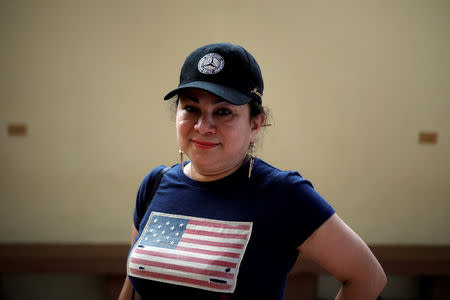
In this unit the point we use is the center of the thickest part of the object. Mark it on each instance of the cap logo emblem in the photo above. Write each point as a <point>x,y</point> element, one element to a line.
<point>211,63</point>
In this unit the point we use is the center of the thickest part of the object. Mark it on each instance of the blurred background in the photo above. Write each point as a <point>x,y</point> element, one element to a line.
<point>359,92</point>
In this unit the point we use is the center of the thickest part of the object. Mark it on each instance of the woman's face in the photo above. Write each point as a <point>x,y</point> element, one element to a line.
<point>215,134</point>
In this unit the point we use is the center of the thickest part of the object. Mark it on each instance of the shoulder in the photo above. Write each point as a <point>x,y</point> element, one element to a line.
<point>270,175</point>
<point>293,192</point>
<point>149,178</point>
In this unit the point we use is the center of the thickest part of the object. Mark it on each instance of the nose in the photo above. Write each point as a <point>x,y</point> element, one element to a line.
<point>205,124</point>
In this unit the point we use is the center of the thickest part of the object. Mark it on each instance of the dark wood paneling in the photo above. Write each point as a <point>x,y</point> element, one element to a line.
<point>432,263</point>
<point>63,258</point>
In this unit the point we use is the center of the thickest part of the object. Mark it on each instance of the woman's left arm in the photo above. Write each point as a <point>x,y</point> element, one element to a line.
<point>341,252</point>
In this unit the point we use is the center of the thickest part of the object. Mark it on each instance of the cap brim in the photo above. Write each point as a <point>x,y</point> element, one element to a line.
<point>229,94</point>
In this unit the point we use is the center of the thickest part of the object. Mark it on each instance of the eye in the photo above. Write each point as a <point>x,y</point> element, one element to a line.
<point>190,108</point>
<point>223,112</point>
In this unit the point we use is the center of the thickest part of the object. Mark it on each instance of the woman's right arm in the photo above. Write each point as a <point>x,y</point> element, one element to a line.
<point>127,289</point>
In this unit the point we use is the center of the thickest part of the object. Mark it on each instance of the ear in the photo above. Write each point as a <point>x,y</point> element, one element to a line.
<point>255,125</point>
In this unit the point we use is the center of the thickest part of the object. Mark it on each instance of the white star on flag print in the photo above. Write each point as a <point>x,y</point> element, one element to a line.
<point>189,251</point>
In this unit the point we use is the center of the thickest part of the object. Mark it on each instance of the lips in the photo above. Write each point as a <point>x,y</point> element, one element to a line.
<point>204,145</point>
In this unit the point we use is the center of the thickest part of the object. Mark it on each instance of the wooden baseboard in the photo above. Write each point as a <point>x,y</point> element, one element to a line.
<point>432,263</point>
<point>111,259</point>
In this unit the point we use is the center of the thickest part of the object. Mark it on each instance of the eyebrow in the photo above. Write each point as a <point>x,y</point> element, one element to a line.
<point>196,100</point>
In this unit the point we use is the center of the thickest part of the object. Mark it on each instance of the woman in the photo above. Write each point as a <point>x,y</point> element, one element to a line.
<point>227,225</point>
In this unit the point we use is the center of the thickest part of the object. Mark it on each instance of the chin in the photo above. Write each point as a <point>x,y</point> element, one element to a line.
<point>204,163</point>
<point>207,163</point>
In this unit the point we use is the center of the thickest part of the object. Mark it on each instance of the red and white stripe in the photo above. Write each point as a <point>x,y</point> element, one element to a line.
<point>208,256</point>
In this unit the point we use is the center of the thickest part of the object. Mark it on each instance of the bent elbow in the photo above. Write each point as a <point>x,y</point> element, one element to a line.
<point>382,281</point>
<point>370,286</point>
<point>378,282</point>
<point>377,278</point>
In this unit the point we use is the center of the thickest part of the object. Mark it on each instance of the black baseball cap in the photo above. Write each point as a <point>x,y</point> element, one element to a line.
<point>225,70</point>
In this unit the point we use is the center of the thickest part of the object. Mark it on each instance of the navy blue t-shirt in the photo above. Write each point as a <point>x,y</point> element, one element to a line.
<point>236,236</point>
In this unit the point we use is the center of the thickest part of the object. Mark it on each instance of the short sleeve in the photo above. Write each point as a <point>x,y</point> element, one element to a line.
<point>306,209</point>
<point>142,196</point>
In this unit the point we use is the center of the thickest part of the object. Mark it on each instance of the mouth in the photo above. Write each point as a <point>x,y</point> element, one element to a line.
<point>204,145</point>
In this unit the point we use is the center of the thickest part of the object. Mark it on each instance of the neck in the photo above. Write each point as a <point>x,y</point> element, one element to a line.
<point>198,174</point>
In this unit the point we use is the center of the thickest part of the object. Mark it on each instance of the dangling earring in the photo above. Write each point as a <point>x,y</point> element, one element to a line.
<point>252,158</point>
<point>181,159</point>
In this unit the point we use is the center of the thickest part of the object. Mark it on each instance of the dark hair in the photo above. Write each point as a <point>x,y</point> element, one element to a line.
<point>256,109</point>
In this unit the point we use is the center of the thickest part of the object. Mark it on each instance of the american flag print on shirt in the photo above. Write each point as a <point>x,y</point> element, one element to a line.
<point>189,251</point>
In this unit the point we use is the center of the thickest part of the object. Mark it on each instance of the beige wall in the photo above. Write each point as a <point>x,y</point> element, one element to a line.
<point>350,85</point>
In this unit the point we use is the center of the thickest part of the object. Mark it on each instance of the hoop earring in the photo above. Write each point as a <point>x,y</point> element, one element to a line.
<point>252,158</point>
<point>181,159</point>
